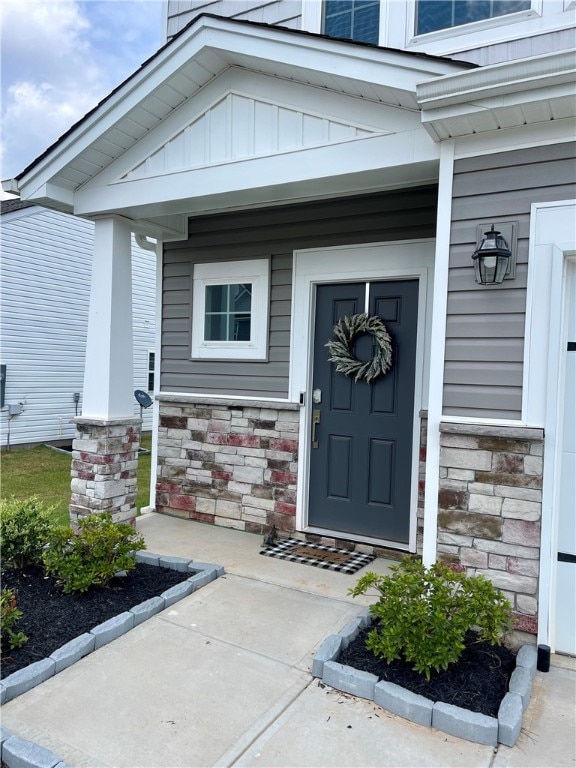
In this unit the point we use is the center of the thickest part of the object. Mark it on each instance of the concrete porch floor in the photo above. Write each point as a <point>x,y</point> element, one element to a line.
<point>221,678</point>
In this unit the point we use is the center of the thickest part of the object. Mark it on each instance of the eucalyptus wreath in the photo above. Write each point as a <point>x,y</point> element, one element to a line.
<point>341,347</point>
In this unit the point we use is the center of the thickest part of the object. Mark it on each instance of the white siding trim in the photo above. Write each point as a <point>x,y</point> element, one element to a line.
<point>544,16</point>
<point>311,19</point>
<point>552,241</point>
<point>158,359</point>
<point>437,349</point>
<point>213,396</point>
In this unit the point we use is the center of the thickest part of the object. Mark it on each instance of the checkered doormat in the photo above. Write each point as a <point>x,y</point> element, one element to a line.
<point>318,555</point>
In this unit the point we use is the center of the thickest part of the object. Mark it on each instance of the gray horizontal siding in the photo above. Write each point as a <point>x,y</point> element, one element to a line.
<point>274,232</point>
<point>285,13</point>
<point>485,326</point>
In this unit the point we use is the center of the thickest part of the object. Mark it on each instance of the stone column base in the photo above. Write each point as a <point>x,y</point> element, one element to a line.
<point>104,464</point>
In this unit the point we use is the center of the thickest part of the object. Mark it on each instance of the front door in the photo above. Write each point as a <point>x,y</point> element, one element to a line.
<point>362,449</point>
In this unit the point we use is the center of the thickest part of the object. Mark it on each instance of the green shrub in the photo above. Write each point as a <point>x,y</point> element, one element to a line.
<point>25,525</point>
<point>10,614</point>
<point>423,614</point>
<point>92,555</point>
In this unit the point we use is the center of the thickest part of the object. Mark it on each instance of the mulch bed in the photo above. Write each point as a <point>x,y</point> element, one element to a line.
<point>478,681</point>
<point>52,618</point>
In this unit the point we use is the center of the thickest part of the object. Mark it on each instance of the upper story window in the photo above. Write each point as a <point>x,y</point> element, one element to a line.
<point>352,19</point>
<point>230,310</point>
<point>432,15</point>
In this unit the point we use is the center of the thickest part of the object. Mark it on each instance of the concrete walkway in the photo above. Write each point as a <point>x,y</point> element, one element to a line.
<point>222,678</point>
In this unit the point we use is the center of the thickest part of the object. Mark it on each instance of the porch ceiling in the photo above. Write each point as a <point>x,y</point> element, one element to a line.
<point>75,173</point>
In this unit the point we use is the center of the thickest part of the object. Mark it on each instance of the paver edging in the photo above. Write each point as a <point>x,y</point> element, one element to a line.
<point>21,753</point>
<point>194,576</point>
<point>455,721</point>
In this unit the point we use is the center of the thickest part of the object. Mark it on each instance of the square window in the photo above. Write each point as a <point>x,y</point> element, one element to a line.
<point>352,19</point>
<point>230,310</point>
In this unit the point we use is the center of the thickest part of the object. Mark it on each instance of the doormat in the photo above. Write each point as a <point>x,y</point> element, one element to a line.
<point>318,555</point>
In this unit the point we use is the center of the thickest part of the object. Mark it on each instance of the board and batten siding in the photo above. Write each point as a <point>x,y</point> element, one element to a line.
<point>273,232</point>
<point>45,290</point>
<point>284,13</point>
<point>485,325</point>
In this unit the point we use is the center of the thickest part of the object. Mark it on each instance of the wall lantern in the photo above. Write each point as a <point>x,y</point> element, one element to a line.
<point>491,259</point>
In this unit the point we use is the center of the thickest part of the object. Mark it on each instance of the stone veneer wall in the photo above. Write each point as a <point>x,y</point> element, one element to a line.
<point>228,462</point>
<point>490,505</point>
<point>104,465</point>
<point>234,463</point>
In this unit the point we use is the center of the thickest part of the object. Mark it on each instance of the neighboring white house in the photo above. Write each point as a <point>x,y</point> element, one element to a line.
<point>45,292</point>
<point>301,161</point>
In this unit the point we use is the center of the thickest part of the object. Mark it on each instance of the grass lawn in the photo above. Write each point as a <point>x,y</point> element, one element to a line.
<point>45,473</point>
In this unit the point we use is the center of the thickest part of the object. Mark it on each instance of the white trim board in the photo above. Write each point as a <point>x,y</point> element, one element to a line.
<point>375,261</point>
<point>552,243</point>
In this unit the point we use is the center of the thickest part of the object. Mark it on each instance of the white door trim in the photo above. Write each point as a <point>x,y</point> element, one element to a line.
<point>374,261</point>
<point>552,243</point>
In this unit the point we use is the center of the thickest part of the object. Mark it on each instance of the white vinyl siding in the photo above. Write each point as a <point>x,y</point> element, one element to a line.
<point>547,27</point>
<point>285,13</point>
<point>45,288</point>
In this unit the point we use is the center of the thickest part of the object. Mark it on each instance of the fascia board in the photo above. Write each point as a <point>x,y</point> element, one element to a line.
<point>161,194</point>
<point>267,46</point>
<point>495,102</point>
<point>126,98</point>
<point>538,72</point>
<point>310,190</point>
<point>333,57</point>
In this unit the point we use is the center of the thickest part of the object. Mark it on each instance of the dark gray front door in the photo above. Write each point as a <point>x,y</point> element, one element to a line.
<point>360,471</point>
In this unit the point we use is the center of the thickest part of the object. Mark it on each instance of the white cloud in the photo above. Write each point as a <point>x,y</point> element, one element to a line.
<point>60,57</point>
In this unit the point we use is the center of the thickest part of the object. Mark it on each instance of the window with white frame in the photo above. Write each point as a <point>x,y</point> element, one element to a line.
<point>352,19</point>
<point>150,371</point>
<point>434,15</point>
<point>230,310</point>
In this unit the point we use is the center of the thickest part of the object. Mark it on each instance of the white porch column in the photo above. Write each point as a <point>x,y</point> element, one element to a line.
<point>109,370</point>
<point>105,450</point>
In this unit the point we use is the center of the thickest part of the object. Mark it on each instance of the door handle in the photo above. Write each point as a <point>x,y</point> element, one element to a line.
<point>315,422</point>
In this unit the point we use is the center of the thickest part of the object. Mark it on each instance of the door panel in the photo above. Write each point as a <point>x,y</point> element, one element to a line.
<point>360,471</point>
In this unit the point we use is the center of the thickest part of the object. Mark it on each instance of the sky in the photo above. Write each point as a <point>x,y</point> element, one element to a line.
<point>59,58</point>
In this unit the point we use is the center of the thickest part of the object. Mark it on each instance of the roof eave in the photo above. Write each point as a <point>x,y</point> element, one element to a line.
<point>229,37</point>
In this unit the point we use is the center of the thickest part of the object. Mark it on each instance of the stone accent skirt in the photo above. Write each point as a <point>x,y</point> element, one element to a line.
<point>104,464</point>
<point>490,508</point>
<point>228,462</point>
<point>234,463</point>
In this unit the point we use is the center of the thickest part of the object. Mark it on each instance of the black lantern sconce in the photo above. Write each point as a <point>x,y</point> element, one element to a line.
<point>492,259</point>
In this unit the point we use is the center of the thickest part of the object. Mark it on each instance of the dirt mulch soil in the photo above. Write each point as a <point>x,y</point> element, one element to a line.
<point>52,618</point>
<point>478,681</point>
